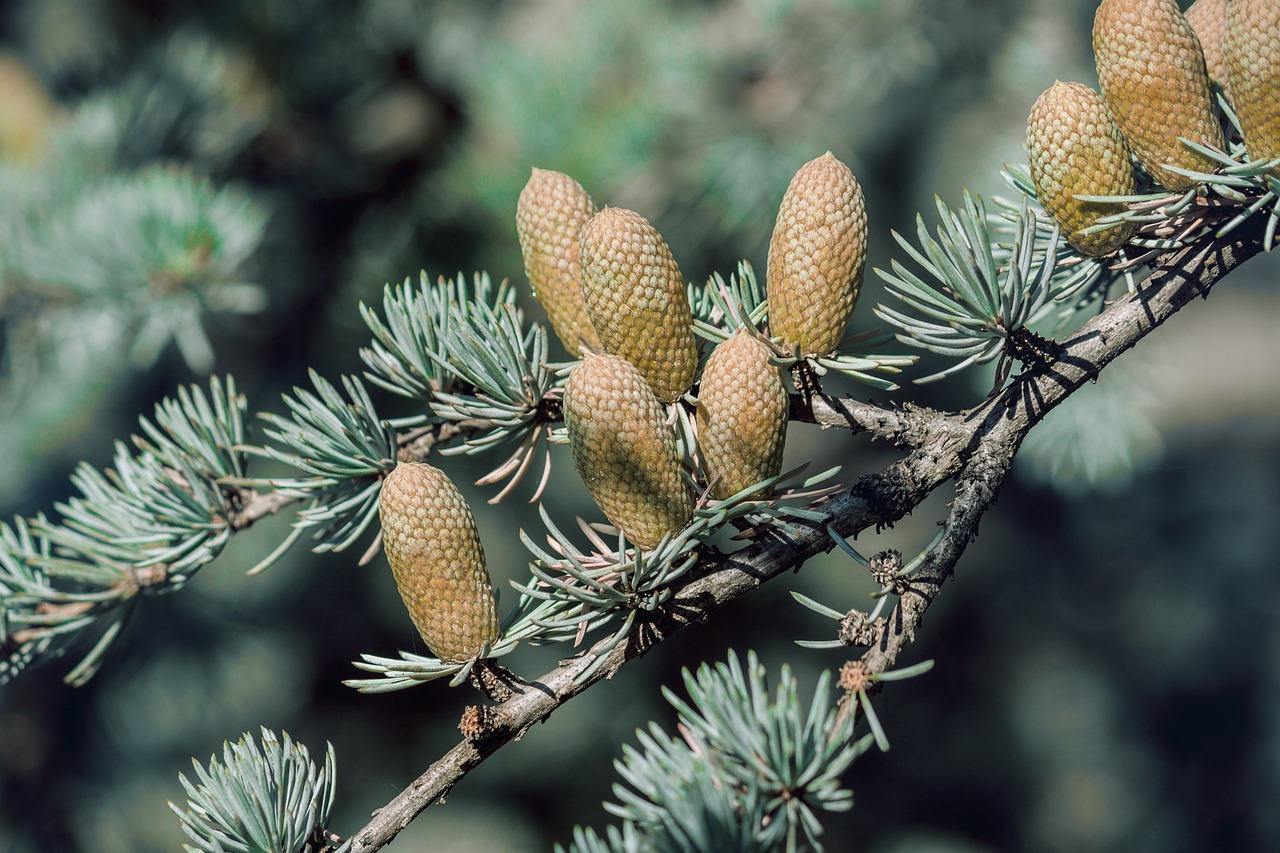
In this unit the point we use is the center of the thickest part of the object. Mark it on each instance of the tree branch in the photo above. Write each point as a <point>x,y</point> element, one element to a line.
<point>904,427</point>
<point>1177,279</point>
<point>976,447</point>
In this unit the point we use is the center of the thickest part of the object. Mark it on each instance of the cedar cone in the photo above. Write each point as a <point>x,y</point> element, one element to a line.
<point>430,539</point>
<point>1153,77</point>
<point>1209,20</point>
<point>816,256</point>
<point>1253,66</point>
<point>550,214</point>
<point>623,449</point>
<point>1075,149</point>
<point>742,416</point>
<point>637,301</point>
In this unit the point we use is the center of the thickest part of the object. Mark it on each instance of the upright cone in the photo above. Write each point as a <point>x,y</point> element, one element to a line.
<point>1253,67</point>
<point>550,214</point>
<point>623,449</point>
<point>1075,149</point>
<point>742,416</point>
<point>1153,77</point>
<point>636,298</point>
<point>430,539</point>
<point>1209,20</point>
<point>817,256</point>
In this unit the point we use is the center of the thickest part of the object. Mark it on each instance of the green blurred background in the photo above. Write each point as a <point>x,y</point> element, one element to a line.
<point>1108,663</point>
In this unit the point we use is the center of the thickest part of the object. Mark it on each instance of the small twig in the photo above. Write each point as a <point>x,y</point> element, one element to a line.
<point>416,447</point>
<point>418,444</point>
<point>257,506</point>
<point>906,427</point>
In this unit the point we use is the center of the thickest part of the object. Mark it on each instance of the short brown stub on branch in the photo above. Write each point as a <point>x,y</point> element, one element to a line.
<point>854,676</point>
<point>885,567</point>
<point>855,630</point>
<point>474,722</point>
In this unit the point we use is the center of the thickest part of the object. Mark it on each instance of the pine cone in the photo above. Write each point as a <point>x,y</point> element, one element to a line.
<point>1153,78</point>
<point>637,301</point>
<point>1253,65</point>
<point>623,449</point>
<point>816,256</point>
<point>742,416</point>
<point>1075,149</point>
<point>430,539</point>
<point>550,214</point>
<point>1209,20</point>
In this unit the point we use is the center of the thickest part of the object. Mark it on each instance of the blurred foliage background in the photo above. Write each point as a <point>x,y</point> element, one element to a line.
<point>1108,669</point>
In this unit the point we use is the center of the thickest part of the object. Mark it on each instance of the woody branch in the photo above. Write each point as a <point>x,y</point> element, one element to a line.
<point>975,447</point>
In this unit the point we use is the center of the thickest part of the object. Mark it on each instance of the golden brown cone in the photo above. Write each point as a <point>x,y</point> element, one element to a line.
<point>1253,63</point>
<point>623,449</point>
<point>817,256</point>
<point>430,539</point>
<point>1075,149</point>
<point>550,214</point>
<point>1209,20</point>
<point>637,301</point>
<point>742,416</point>
<point>1153,77</point>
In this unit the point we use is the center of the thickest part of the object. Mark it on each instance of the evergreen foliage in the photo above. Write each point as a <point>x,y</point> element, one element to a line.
<point>159,251</point>
<point>147,255</point>
<point>270,798</point>
<point>752,773</point>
